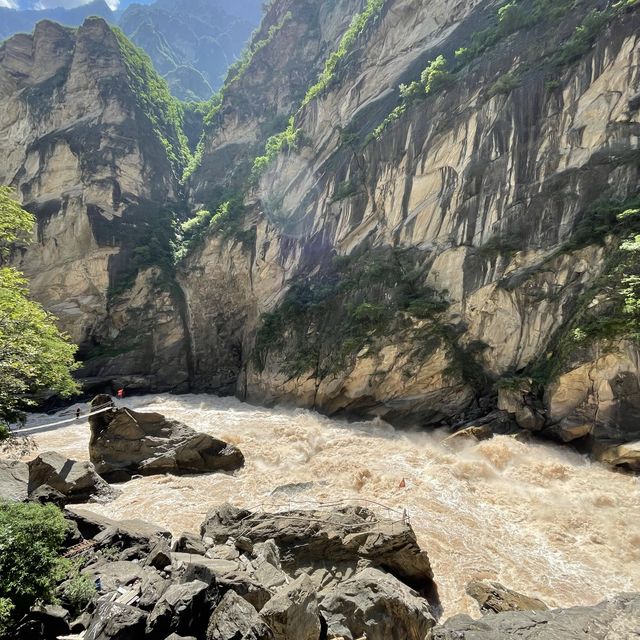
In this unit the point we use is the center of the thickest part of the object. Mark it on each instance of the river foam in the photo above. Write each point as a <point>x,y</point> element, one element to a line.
<point>538,518</point>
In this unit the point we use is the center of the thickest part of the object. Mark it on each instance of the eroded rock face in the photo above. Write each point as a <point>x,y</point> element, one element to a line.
<point>125,442</point>
<point>496,598</point>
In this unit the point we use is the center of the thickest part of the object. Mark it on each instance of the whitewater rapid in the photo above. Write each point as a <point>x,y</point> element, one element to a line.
<point>537,518</point>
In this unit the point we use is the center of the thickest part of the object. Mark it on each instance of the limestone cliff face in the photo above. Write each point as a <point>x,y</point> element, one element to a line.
<point>487,188</point>
<point>87,162</point>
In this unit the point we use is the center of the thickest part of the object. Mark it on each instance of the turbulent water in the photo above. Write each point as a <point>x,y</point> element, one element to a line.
<point>537,518</point>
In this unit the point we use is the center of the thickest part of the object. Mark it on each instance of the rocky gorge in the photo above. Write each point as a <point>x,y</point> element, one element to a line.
<point>424,216</point>
<point>469,244</point>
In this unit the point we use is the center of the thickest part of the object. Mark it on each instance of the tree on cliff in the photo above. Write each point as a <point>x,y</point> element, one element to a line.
<point>34,355</point>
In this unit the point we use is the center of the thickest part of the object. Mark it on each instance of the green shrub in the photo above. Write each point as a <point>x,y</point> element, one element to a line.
<point>31,537</point>
<point>285,141</point>
<point>357,26</point>
<point>78,591</point>
<point>584,37</point>
<point>435,77</point>
<point>504,85</point>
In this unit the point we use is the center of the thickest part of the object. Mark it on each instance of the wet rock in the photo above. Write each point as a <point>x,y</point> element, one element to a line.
<point>495,598</point>
<point>376,605</point>
<point>116,621</point>
<point>624,456</point>
<point>522,405</point>
<point>468,435</point>
<point>183,608</point>
<point>350,536</point>
<point>77,481</point>
<point>127,442</point>
<point>293,612</point>
<point>14,480</point>
<point>235,618</point>
<point>615,619</point>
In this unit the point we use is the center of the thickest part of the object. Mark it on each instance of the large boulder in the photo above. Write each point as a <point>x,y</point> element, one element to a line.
<point>125,442</point>
<point>615,619</point>
<point>116,621</point>
<point>14,480</point>
<point>377,606</point>
<point>492,597</point>
<point>292,613</point>
<point>76,481</point>
<point>348,538</point>
<point>234,619</point>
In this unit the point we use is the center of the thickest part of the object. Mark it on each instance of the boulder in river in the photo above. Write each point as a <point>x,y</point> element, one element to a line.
<point>615,619</point>
<point>495,598</point>
<point>125,442</point>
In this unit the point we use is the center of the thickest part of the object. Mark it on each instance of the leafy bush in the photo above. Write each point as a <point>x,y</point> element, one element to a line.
<point>584,37</point>
<point>284,141</point>
<point>31,537</point>
<point>504,85</point>
<point>435,77</point>
<point>79,590</point>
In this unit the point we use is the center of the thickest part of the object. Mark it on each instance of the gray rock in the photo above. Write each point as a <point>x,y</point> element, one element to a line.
<point>235,619</point>
<point>184,608</point>
<point>127,442</point>
<point>315,539</point>
<point>378,605</point>
<point>615,619</point>
<point>14,480</point>
<point>115,621</point>
<point>292,613</point>
<point>77,481</point>
<point>189,543</point>
<point>45,623</point>
<point>159,556</point>
<point>494,598</point>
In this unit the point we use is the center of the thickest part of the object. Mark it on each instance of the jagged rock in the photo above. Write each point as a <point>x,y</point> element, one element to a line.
<point>623,456</point>
<point>14,480</point>
<point>292,614</point>
<point>46,622</point>
<point>468,435</point>
<point>519,402</point>
<point>189,543</point>
<point>116,621</point>
<point>235,618</point>
<point>348,536</point>
<point>125,441</point>
<point>183,608</point>
<point>227,574</point>
<point>615,619</point>
<point>48,495</point>
<point>376,605</point>
<point>77,481</point>
<point>175,636</point>
<point>159,556</point>
<point>495,598</point>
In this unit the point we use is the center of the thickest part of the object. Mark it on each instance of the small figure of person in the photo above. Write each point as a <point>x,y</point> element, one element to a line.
<point>78,413</point>
<point>120,393</point>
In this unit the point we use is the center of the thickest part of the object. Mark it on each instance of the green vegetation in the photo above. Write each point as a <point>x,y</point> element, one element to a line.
<point>610,308</point>
<point>328,318</point>
<point>34,355</point>
<point>435,77</point>
<point>510,18</point>
<point>156,102</point>
<point>284,141</point>
<point>356,28</point>
<point>31,538</point>
<point>78,590</point>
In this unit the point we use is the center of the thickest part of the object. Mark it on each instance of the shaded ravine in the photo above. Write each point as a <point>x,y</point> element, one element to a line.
<point>538,518</point>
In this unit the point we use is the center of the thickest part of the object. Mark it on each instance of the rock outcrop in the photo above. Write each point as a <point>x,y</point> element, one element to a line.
<point>125,442</point>
<point>616,618</point>
<point>492,597</point>
<point>14,480</point>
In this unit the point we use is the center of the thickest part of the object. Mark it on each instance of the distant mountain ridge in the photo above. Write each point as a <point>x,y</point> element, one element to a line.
<point>190,42</point>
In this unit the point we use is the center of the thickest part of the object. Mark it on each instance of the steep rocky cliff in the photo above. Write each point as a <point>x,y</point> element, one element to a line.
<point>427,253</point>
<point>402,270</point>
<point>89,158</point>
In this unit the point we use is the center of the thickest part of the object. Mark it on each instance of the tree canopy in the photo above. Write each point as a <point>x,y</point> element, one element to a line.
<point>34,355</point>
